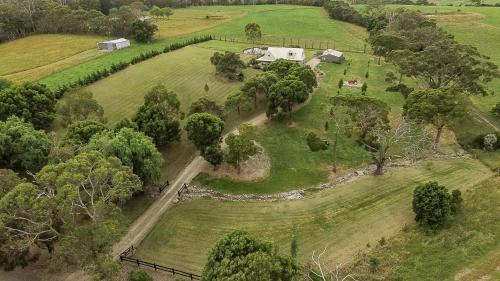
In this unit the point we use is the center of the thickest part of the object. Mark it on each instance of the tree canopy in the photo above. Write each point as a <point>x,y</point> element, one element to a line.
<point>159,116</point>
<point>253,32</point>
<point>434,106</point>
<point>204,104</point>
<point>143,31</point>
<point>22,148</point>
<point>204,129</point>
<point>34,103</point>
<point>238,256</point>
<point>78,106</point>
<point>79,133</point>
<point>134,149</point>
<point>240,146</point>
<point>431,204</point>
<point>228,65</point>
<point>285,94</point>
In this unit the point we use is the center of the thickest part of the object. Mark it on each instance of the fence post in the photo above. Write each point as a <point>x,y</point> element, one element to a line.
<point>138,263</point>
<point>191,275</point>
<point>154,265</point>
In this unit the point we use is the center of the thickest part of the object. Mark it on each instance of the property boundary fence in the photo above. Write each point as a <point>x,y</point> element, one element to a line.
<point>125,257</point>
<point>294,42</point>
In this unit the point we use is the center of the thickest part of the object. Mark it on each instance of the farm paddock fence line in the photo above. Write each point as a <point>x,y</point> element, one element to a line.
<point>125,257</point>
<point>294,42</point>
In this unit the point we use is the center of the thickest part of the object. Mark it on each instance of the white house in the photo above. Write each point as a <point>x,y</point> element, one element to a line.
<point>331,55</point>
<point>113,44</point>
<point>274,53</point>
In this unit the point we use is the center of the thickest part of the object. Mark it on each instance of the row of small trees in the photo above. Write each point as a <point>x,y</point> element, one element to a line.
<point>115,67</point>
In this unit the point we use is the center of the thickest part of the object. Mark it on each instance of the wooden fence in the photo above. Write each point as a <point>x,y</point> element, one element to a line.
<point>294,42</point>
<point>124,257</point>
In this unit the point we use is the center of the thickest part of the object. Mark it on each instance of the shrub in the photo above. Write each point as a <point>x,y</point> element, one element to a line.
<point>490,142</point>
<point>315,143</point>
<point>431,204</point>
<point>139,275</point>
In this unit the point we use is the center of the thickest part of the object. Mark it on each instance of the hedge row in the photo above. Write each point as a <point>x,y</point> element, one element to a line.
<point>105,72</point>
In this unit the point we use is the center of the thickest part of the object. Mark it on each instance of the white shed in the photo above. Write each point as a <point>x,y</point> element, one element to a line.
<point>113,44</point>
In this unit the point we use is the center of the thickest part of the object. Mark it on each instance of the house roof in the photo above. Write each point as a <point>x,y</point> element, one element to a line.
<point>274,53</point>
<point>120,40</point>
<point>332,52</point>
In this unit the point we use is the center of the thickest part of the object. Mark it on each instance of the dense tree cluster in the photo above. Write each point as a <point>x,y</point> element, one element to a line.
<point>22,148</point>
<point>433,204</point>
<point>239,256</point>
<point>72,209</point>
<point>283,84</point>
<point>79,106</point>
<point>32,102</point>
<point>228,65</point>
<point>159,116</point>
<point>420,49</point>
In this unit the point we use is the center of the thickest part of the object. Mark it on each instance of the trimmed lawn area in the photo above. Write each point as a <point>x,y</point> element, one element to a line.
<point>184,71</point>
<point>303,23</point>
<point>35,56</point>
<point>293,165</point>
<point>276,22</point>
<point>468,248</point>
<point>345,218</point>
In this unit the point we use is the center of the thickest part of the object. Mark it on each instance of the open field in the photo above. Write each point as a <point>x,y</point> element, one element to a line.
<point>194,19</point>
<point>293,165</point>
<point>36,56</point>
<point>293,22</point>
<point>183,71</point>
<point>345,218</point>
<point>468,248</point>
<point>276,22</point>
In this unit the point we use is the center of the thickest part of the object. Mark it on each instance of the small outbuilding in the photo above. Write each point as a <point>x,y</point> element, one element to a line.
<point>113,44</point>
<point>331,55</point>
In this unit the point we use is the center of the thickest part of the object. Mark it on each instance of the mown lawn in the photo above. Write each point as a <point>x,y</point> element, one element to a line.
<point>468,248</point>
<point>36,56</point>
<point>277,21</point>
<point>184,71</point>
<point>293,165</point>
<point>345,218</point>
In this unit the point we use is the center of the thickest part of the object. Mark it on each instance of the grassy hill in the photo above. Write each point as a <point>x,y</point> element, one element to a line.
<point>345,218</point>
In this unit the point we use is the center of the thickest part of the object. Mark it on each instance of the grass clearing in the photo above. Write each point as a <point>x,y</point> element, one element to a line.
<point>189,20</point>
<point>468,248</point>
<point>293,165</point>
<point>276,22</point>
<point>338,218</point>
<point>35,56</point>
<point>183,71</point>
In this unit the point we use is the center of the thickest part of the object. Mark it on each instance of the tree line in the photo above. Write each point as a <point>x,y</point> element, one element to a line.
<point>115,67</point>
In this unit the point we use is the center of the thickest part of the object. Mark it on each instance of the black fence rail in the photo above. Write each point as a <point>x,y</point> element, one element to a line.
<point>125,257</point>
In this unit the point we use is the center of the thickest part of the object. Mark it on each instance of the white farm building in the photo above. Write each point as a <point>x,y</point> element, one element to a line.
<point>113,44</point>
<point>274,53</point>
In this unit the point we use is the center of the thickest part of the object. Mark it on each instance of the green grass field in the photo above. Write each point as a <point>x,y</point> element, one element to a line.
<point>293,165</point>
<point>194,19</point>
<point>276,22</point>
<point>183,71</point>
<point>468,248</point>
<point>345,218</point>
<point>36,56</point>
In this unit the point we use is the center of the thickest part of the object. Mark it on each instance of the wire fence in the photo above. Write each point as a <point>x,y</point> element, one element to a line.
<point>309,44</point>
<point>125,257</point>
